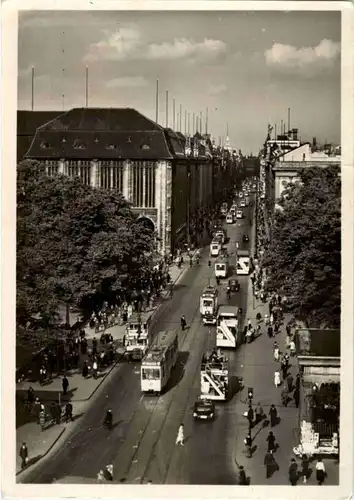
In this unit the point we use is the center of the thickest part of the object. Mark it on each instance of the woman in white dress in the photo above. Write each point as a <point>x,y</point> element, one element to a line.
<point>180,435</point>
<point>277,379</point>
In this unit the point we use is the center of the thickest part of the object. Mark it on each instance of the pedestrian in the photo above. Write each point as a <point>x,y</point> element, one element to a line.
<point>288,330</point>
<point>183,322</point>
<point>53,412</point>
<point>293,472</point>
<point>30,396</point>
<point>271,319</point>
<point>270,464</point>
<point>58,413</point>
<point>85,369</point>
<point>42,419</point>
<point>287,341</point>
<point>24,455</point>
<point>297,381</point>
<point>94,368</point>
<point>283,368</point>
<point>292,348</point>
<point>289,381</point>
<point>250,417</point>
<point>266,319</point>
<point>37,409</point>
<point>320,472</point>
<point>305,465</point>
<point>273,415</point>
<point>276,352</point>
<point>248,443</point>
<point>242,479</point>
<point>277,381</point>
<point>68,412</point>
<point>296,396</point>
<point>180,435</point>
<point>259,413</point>
<point>65,384</point>
<point>271,441</point>
<point>270,331</point>
<point>284,396</point>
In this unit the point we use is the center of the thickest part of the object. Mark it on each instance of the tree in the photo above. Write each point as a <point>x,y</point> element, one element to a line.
<point>75,245</point>
<point>303,259</point>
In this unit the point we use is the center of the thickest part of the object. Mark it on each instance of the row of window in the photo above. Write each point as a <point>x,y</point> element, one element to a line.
<point>143,177</point>
<point>78,144</point>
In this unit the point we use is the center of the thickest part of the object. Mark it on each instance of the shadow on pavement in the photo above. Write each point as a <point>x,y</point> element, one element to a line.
<point>235,386</point>
<point>178,372</point>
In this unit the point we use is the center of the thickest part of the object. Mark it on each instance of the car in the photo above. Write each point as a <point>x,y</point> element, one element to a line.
<point>242,203</point>
<point>246,238</point>
<point>204,409</point>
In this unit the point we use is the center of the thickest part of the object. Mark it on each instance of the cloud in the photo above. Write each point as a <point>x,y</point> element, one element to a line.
<point>127,81</point>
<point>117,46</point>
<point>183,48</point>
<point>288,57</point>
<point>216,89</point>
<point>127,43</point>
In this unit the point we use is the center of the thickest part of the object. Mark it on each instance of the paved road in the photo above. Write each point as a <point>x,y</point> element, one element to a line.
<point>142,444</point>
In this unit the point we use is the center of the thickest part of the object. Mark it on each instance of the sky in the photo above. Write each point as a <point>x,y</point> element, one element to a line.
<point>247,68</point>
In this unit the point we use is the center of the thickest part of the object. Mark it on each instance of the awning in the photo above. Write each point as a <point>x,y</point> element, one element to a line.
<point>322,378</point>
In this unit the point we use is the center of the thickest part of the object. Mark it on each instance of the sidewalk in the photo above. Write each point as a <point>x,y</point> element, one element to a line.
<point>80,390</point>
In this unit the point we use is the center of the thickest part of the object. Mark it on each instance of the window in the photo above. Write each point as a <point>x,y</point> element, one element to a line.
<point>78,144</point>
<point>303,157</point>
<point>111,175</point>
<point>208,303</point>
<point>45,145</point>
<point>85,171</point>
<point>151,373</point>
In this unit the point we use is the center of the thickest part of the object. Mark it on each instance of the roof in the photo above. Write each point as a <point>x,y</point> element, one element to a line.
<point>161,342</point>
<point>227,310</point>
<point>134,318</point>
<point>27,124</point>
<point>318,342</point>
<point>112,133</point>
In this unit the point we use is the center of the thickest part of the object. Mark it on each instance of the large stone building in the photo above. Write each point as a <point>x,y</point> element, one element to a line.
<point>169,179</point>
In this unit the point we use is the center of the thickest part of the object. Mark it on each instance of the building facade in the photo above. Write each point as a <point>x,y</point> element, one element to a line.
<point>167,178</point>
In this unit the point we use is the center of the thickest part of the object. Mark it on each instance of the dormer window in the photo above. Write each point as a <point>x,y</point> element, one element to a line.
<point>129,139</point>
<point>96,140</point>
<point>111,146</point>
<point>145,146</point>
<point>79,144</point>
<point>63,139</point>
<point>45,145</point>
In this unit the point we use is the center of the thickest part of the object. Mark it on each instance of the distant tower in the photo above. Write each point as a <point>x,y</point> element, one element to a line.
<point>227,144</point>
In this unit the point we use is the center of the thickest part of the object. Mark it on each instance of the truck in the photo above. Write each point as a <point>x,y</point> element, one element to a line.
<point>214,377</point>
<point>243,262</point>
<point>227,334</point>
<point>209,305</point>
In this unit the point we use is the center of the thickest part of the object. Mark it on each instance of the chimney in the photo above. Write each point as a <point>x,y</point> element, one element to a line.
<point>295,134</point>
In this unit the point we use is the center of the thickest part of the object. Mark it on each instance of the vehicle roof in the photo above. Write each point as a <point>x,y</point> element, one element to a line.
<point>221,260</point>
<point>160,344</point>
<point>243,253</point>
<point>227,310</point>
<point>134,318</point>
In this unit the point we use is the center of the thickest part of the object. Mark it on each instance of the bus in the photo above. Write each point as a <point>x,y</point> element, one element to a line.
<point>221,267</point>
<point>243,262</point>
<point>159,361</point>
<point>215,247</point>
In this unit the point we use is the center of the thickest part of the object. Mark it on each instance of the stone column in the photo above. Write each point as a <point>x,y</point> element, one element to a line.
<point>126,180</point>
<point>144,184</point>
<point>94,179</point>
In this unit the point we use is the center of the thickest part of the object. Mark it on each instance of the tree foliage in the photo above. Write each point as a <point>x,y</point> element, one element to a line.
<point>304,256</point>
<point>75,245</point>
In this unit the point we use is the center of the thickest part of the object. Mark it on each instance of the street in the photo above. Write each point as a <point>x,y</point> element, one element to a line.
<point>141,446</point>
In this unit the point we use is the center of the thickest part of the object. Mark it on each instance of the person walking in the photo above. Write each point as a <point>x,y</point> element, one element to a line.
<point>283,368</point>
<point>259,413</point>
<point>305,468</point>
<point>284,396</point>
<point>292,348</point>
<point>250,417</point>
<point>53,412</point>
<point>37,409</point>
<point>180,435</point>
<point>276,352</point>
<point>85,369</point>
<point>270,464</point>
<point>277,381</point>
<point>65,385</point>
<point>289,381</point>
<point>296,396</point>
<point>68,412</point>
<point>248,444</point>
<point>297,381</point>
<point>293,472</point>
<point>270,331</point>
<point>30,396</point>
<point>42,419</point>
<point>271,441</point>
<point>24,455</point>
<point>94,368</point>
<point>183,322</point>
<point>320,472</point>
<point>58,414</point>
<point>242,479</point>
